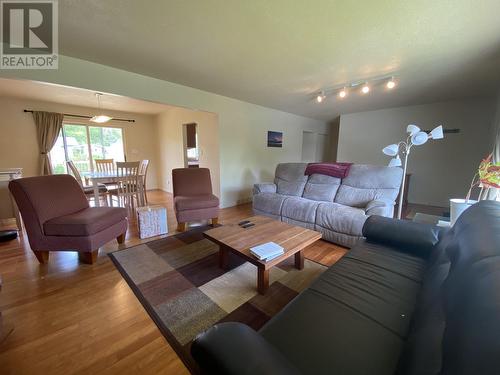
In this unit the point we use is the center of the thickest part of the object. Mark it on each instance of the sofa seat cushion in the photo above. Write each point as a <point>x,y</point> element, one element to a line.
<point>320,187</point>
<point>340,218</point>
<point>270,203</point>
<point>195,202</point>
<point>300,209</point>
<point>85,222</point>
<point>360,309</point>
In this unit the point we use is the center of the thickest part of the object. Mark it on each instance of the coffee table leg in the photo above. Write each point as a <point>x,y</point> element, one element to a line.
<point>262,280</point>
<point>223,257</point>
<point>299,260</point>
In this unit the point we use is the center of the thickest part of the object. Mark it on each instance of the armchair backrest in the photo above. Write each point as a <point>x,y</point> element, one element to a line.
<point>43,198</point>
<point>191,181</point>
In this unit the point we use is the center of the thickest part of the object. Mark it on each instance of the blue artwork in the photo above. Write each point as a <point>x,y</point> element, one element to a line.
<point>274,139</point>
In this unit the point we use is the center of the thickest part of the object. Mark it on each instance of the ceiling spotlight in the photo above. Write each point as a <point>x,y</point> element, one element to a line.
<point>391,84</point>
<point>365,89</point>
<point>321,96</point>
<point>343,93</point>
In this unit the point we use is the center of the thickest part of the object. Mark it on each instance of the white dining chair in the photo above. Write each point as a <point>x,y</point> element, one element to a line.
<point>87,189</point>
<point>127,184</point>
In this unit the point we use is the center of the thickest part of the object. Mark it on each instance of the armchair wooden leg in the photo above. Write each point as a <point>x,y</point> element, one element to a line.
<point>88,257</point>
<point>215,221</point>
<point>121,238</point>
<point>181,227</point>
<point>42,256</point>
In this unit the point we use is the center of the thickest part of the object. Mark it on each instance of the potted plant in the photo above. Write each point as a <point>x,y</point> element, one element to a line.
<point>486,178</point>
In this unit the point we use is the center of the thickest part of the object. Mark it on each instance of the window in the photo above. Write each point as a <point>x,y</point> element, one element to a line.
<point>83,143</point>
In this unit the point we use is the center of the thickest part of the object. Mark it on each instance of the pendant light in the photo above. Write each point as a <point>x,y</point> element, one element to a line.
<point>100,118</point>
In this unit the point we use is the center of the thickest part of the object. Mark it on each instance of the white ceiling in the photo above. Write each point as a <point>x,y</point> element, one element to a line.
<point>278,53</point>
<point>52,93</point>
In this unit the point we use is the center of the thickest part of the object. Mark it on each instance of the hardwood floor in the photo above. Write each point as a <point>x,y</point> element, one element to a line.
<point>73,318</point>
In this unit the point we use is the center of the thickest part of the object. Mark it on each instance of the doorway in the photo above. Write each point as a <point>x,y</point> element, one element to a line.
<point>191,146</point>
<point>314,146</point>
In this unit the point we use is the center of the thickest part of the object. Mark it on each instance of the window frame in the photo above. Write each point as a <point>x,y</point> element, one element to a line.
<point>89,144</point>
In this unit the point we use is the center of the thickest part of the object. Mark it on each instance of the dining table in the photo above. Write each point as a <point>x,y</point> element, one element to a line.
<point>96,177</point>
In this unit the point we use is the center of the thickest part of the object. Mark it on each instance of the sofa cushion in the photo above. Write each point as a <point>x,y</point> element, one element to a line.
<point>320,187</point>
<point>340,218</point>
<point>359,311</point>
<point>366,183</point>
<point>290,178</point>
<point>269,203</point>
<point>85,222</point>
<point>300,209</point>
<point>195,202</point>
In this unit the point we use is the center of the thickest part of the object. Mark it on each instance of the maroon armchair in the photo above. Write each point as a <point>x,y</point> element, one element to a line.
<point>57,217</point>
<point>193,198</point>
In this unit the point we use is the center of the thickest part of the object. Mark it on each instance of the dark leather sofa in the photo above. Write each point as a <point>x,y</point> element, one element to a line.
<point>409,299</point>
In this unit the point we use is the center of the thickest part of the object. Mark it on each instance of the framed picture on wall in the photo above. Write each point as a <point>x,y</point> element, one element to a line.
<point>274,139</point>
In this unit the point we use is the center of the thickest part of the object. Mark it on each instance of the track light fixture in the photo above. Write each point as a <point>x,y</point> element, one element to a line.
<point>321,96</point>
<point>364,86</point>
<point>391,83</point>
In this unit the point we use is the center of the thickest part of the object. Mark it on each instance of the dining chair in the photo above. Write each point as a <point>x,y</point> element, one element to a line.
<point>87,189</point>
<point>127,184</point>
<point>143,172</point>
<point>105,165</point>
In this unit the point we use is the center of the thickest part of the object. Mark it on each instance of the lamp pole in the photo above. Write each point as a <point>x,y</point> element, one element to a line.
<point>406,151</point>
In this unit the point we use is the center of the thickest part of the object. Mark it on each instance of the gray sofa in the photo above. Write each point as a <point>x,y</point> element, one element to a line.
<point>335,207</point>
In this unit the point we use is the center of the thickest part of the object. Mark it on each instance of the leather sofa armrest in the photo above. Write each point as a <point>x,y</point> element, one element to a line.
<point>264,188</point>
<point>234,348</point>
<point>406,236</point>
<point>380,207</point>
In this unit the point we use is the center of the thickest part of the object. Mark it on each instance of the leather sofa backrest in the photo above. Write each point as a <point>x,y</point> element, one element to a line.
<point>290,178</point>
<point>456,326</point>
<point>366,183</point>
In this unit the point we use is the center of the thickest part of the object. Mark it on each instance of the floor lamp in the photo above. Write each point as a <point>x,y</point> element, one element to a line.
<point>416,137</point>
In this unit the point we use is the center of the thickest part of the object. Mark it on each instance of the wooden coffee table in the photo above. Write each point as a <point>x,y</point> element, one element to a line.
<point>231,237</point>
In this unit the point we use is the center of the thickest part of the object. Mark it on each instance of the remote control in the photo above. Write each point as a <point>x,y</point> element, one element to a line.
<point>243,222</point>
<point>248,225</point>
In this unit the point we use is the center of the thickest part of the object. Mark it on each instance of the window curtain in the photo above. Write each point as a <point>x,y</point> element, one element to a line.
<point>48,126</point>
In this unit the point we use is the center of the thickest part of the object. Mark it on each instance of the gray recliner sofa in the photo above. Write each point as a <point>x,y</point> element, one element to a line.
<point>335,207</point>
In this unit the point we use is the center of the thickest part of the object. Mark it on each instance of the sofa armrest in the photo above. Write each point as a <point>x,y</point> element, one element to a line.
<point>380,207</point>
<point>406,236</point>
<point>234,348</point>
<point>264,188</point>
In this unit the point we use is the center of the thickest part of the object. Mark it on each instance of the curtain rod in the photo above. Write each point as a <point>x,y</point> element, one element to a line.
<point>87,117</point>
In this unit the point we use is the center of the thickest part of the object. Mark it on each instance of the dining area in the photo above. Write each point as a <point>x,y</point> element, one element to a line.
<point>114,184</point>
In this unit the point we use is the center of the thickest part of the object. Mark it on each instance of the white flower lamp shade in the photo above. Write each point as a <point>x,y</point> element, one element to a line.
<point>419,139</point>
<point>412,129</point>
<point>395,162</point>
<point>437,133</point>
<point>391,150</point>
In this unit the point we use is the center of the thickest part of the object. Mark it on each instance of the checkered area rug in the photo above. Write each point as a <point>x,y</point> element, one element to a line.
<point>179,283</point>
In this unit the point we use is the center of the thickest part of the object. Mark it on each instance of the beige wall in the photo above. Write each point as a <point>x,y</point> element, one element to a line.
<point>19,148</point>
<point>170,143</point>
<point>441,169</point>
<point>244,157</point>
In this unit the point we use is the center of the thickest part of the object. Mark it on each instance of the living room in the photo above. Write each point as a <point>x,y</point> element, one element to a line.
<point>286,126</point>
